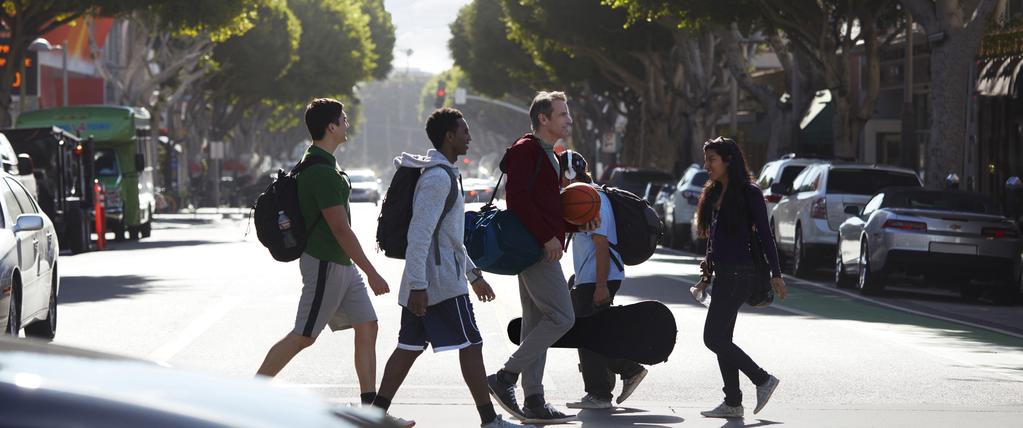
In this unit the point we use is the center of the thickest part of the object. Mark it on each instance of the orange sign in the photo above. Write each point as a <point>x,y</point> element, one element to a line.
<point>32,81</point>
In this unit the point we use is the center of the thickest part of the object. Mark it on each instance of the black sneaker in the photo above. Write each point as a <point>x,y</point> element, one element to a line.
<point>504,393</point>
<point>545,414</point>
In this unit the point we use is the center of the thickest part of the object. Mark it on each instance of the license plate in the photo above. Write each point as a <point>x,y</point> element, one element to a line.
<point>943,247</point>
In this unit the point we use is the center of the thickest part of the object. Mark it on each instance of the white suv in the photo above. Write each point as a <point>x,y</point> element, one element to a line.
<point>783,170</point>
<point>678,213</point>
<point>805,221</point>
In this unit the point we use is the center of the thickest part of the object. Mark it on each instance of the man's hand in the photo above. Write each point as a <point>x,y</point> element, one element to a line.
<point>704,269</point>
<point>778,285</point>
<point>601,295</point>
<point>378,284</point>
<point>552,250</point>
<point>591,225</point>
<point>483,290</point>
<point>417,302</point>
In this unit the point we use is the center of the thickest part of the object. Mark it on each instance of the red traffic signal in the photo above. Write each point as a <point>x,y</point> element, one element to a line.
<point>441,93</point>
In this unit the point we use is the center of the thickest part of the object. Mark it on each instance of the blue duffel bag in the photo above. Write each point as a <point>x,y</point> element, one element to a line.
<point>497,242</point>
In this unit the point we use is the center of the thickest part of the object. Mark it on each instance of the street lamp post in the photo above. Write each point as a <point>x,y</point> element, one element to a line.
<point>43,45</point>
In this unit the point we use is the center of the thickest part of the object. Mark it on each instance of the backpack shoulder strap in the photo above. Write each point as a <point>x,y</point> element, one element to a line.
<point>449,202</point>
<point>307,162</point>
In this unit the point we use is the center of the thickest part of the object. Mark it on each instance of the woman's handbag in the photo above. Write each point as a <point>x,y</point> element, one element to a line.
<point>762,293</point>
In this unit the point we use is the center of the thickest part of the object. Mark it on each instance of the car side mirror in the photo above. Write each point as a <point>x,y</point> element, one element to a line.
<point>852,210</point>
<point>140,162</point>
<point>28,223</point>
<point>25,165</point>
<point>780,189</point>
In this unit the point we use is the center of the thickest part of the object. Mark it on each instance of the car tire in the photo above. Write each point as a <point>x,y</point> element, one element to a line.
<point>800,263</point>
<point>669,234</point>
<point>842,279</point>
<point>47,329</point>
<point>147,228</point>
<point>1008,293</point>
<point>133,233</point>
<point>13,327</point>
<point>870,282</point>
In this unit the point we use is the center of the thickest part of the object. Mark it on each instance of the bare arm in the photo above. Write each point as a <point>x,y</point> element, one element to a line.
<point>337,219</point>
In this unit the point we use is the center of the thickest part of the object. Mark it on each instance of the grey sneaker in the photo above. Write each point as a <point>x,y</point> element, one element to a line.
<point>501,423</point>
<point>764,393</point>
<point>399,421</point>
<point>504,393</point>
<point>629,386</point>
<point>545,414</point>
<point>590,402</point>
<point>724,411</point>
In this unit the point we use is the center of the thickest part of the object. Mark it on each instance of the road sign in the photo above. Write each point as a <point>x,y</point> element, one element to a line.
<point>460,96</point>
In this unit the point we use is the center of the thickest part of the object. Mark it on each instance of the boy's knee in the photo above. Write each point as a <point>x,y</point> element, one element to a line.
<point>564,321</point>
<point>366,330</point>
<point>300,341</point>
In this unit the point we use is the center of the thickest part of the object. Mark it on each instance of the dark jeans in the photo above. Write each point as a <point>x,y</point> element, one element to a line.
<point>732,286</point>
<point>599,371</point>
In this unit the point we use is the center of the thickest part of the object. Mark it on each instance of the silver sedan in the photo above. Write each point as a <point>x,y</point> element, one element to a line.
<point>940,235</point>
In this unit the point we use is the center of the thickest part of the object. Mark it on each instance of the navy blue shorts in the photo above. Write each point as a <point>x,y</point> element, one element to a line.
<point>447,325</point>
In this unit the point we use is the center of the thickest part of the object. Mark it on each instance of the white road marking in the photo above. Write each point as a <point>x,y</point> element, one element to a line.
<point>187,335</point>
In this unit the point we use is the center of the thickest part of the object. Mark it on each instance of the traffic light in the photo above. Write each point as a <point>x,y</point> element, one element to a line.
<point>441,92</point>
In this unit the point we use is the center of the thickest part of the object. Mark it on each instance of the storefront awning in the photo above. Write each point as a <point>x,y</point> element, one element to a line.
<point>1000,78</point>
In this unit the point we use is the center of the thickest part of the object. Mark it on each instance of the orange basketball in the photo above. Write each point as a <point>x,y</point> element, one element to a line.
<point>580,203</point>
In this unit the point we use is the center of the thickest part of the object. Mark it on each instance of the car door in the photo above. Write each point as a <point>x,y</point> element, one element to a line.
<point>803,199</point>
<point>851,229</point>
<point>785,213</point>
<point>46,250</point>
<point>26,243</point>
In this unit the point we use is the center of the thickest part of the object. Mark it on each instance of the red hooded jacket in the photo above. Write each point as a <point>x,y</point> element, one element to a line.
<point>537,207</point>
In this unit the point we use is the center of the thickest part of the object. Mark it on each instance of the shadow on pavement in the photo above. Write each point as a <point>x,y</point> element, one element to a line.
<point>80,289</point>
<point>625,417</point>
<point>741,423</point>
<point>147,245</point>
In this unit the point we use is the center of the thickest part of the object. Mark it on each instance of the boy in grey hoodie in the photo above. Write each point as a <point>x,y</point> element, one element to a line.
<point>434,292</point>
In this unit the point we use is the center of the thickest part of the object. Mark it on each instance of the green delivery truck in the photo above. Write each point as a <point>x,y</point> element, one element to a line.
<point>124,150</point>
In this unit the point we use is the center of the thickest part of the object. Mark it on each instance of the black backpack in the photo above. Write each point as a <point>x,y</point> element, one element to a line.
<point>637,225</point>
<point>396,211</point>
<point>282,195</point>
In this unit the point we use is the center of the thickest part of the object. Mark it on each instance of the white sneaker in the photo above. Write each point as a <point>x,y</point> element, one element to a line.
<point>590,402</point>
<point>724,411</point>
<point>399,421</point>
<point>629,385</point>
<point>764,393</point>
<point>501,423</point>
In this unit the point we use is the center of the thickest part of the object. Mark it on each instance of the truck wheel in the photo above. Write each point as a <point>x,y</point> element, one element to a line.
<point>118,230</point>
<point>76,230</point>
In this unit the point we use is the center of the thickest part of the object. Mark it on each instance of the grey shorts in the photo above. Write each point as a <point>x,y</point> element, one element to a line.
<point>333,295</point>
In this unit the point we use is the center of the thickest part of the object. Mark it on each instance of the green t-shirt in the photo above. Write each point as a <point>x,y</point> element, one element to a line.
<point>323,186</point>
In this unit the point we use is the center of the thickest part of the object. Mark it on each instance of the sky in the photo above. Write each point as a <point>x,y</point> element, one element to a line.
<point>422,25</point>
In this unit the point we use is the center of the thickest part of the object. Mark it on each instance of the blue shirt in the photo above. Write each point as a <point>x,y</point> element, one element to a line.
<point>584,251</point>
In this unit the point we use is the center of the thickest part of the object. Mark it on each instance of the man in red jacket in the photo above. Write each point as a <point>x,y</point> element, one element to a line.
<point>533,192</point>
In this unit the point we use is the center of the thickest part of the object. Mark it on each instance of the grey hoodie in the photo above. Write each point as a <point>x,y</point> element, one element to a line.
<point>448,279</point>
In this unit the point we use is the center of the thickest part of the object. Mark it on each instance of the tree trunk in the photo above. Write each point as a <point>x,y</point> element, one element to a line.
<point>950,73</point>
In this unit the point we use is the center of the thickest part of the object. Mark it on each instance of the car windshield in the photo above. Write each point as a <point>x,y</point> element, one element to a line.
<point>362,178</point>
<point>106,163</point>
<point>867,181</point>
<point>700,179</point>
<point>942,201</point>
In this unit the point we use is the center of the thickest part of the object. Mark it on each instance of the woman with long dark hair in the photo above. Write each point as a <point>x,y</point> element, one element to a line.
<point>730,214</point>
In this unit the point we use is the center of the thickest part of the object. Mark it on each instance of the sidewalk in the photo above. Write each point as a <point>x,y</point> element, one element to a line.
<point>640,414</point>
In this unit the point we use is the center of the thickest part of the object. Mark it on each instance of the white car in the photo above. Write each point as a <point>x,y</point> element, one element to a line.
<point>365,186</point>
<point>28,264</point>
<point>783,170</point>
<point>805,221</point>
<point>678,214</point>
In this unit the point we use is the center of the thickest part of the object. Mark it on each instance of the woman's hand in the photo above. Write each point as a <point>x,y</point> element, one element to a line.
<point>778,285</point>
